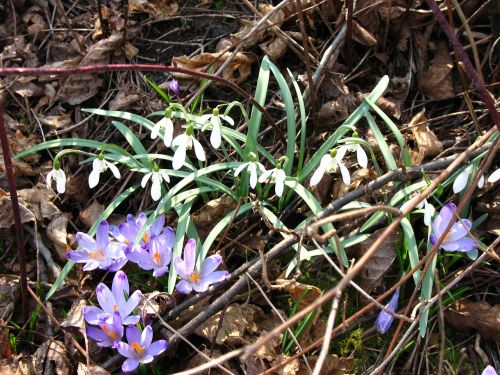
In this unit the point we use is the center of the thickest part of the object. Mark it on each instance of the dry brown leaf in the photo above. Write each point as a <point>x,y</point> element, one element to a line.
<point>335,111</point>
<point>57,234</point>
<point>78,88</point>
<point>6,215</point>
<point>357,178</point>
<point>83,369</point>
<point>333,365</point>
<point>51,357</point>
<point>39,202</point>
<point>239,321</point>
<point>158,9</point>
<point>90,214</point>
<point>9,296</point>
<point>291,368</point>
<point>379,263</point>
<point>124,99</point>
<point>298,290</point>
<point>56,122</point>
<point>238,70</point>
<point>199,360</point>
<point>480,316</point>
<point>75,321</point>
<point>212,212</point>
<point>154,303</point>
<point>427,142</point>
<point>436,82</point>
<point>363,36</point>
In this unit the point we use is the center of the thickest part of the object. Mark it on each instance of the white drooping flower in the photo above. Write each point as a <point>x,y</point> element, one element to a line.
<point>329,163</point>
<point>494,177</point>
<point>461,181</point>
<point>100,165</point>
<point>186,141</point>
<point>278,175</point>
<point>57,174</point>
<point>166,126</point>
<point>215,121</point>
<point>252,167</point>
<point>360,153</point>
<point>157,177</point>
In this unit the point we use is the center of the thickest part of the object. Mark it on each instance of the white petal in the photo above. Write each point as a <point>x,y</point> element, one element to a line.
<point>318,175</point>
<point>228,119</point>
<point>181,139</point>
<point>264,176</point>
<point>61,182</point>
<point>156,129</point>
<point>252,169</point>
<point>198,150</point>
<point>165,176</point>
<point>169,132</point>
<point>428,212</point>
<point>346,177</point>
<point>179,156</point>
<point>326,160</point>
<point>215,137</point>
<point>461,181</point>
<point>280,186</point>
<point>494,177</point>
<point>361,155</point>
<point>341,153</point>
<point>240,168</point>
<point>113,169</point>
<point>156,189</point>
<point>204,119</point>
<point>94,178</point>
<point>48,179</point>
<point>145,179</point>
<point>98,165</point>
<point>480,183</point>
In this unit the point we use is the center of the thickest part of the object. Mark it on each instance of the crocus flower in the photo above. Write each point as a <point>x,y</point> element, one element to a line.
<point>173,85</point>
<point>215,121</point>
<point>112,301</point>
<point>57,174</point>
<point>360,153</point>
<point>159,251</point>
<point>329,163</point>
<point>251,166</point>
<point>384,320</point>
<point>107,334</point>
<point>456,239</point>
<point>186,141</point>
<point>157,176</point>
<point>489,370</point>
<point>278,175</point>
<point>100,165</point>
<point>197,280</point>
<point>140,349</point>
<point>99,253</point>
<point>166,126</point>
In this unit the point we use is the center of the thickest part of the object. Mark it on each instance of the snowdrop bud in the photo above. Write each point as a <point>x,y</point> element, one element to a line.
<point>168,113</point>
<point>189,129</point>
<point>355,134</point>
<point>100,156</point>
<point>57,164</point>
<point>215,111</point>
<point>333,152</point>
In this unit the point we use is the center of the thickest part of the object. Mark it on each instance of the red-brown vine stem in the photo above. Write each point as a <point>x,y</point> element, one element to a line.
<point>9,173</point>
<point>142,67</point>
<point>452,37</point>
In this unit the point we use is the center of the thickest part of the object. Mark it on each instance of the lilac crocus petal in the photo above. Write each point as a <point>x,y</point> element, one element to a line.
<point>102,234</point>
<point>190,255</point>
<point>384,320</point>
<point>125,350</point>
<point>86,242</point>
<point>96,334</point>
<point>209,265</point>
<point>130,365</point>
<point>132,303</point>
<point>157,225</point>
<point>184,287</point>
<point>216,277</point>
<point>120,287</point>
<point>106,299</point>
<point>459,230</point>
<point>464,244</point>
<point>147,336</point>
<point>174,86</point>
<point>489,370</point>
<point>91,314</point>
<point>446,215</point>
<point>77,256</point>
<point>158,347</point>
<point>133,335</point>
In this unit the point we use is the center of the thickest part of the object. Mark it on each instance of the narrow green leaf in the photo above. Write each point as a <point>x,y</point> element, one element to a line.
<point>426,291</point>
<point>411,245</point>
<point>131,138</point>
<point>390,162</point>
<point>71,142</point>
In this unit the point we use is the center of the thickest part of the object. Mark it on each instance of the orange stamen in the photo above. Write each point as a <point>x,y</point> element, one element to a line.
<point>111,334</point>
<point>195,277</point>
<point>157,257</point>
<point>137,348</point>
<point>146,238</point>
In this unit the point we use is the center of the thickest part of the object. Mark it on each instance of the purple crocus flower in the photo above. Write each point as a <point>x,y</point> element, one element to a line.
<point>173,86</point>
<point>384,320</point>
<point>108,334</point>
<point>489,370</point>
<point>197,280</point>
<point>456,239</point>
<point>114,301</point>
<point>140,349</point>
<point>99,253</point>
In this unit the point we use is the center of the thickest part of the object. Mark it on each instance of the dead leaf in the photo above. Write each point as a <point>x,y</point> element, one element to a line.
<point>239,321</point>
<point>51,358</point>
<point>238,70</point>
<point>480,316</point>
<point>198,360</point>
<point>78,88</point>
<point>363,36</point>
<point>124,99</point>
<point>436,82</point>
<point>291,368</point>
<point>308,293</point>
<point>158,9</point>
<point>6,215</point>
<point>90,214</point>
<point>56,232</point>
<point>56,122</point>
<point>75,321</point>
<point>153,304</point>
<point>83,369</point>
<point>39,202</point>
<point>333,365</point>
<point>427,142</point>
<point>357,178</point>
<point>380,262</point>
<point>212,212</point>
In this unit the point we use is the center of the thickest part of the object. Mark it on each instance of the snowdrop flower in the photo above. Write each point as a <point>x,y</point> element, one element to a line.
<point>100,165</point>
<point>494,177</point>
<point>112,301</point>
<point>215,121</point>
<point>57,174</point>
<point>99,253</point>
<point>140,349</point>
<point>166,126</point>
<point>429,210</point>
<point>173,85</point>
<point>197,280</point>
<point>358,149</point>
<point>456,239</point>
<point>186,141</point>
<point>489,370</point>
<point>108,334</point>
<point>461,181</point>
<point>329,163</point>
<point>251,166</point>
<point>278,175</point>
<point>157,176</point>
<point>384,320</point>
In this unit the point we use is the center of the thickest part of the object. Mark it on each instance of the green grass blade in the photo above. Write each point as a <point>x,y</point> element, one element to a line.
<point>131,138</point>
<point>158,90</point>
<point>66,142</point>
<point>426,291</point>
<point>390,162</point>
<point>411,245</point>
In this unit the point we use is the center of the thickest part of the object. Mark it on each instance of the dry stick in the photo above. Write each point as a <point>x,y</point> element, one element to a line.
<point>348,38</point>
<point>141,67</point>
<point>9,172</point>
<point>450,33</point>
<point>466,198</point>
<point>372,249</point>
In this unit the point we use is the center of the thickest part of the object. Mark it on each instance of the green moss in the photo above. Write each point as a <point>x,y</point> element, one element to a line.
<point>352,343</point>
